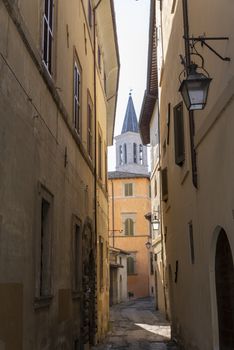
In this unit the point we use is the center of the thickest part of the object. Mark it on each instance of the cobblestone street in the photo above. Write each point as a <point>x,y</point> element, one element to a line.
<point>136,325</point>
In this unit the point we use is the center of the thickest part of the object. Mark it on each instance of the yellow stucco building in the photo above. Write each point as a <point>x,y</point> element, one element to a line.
<point>129,201</point>
<point>59,78</point>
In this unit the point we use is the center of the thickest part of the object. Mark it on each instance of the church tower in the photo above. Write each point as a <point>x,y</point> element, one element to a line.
<point>131,154</point>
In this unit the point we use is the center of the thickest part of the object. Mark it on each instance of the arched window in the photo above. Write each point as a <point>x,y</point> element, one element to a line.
<point>120,155</point>
<point>130,265</point>
<point>125,154</point>
<point>129,227</point>
<point>141,154</point>
<point>135,152</point>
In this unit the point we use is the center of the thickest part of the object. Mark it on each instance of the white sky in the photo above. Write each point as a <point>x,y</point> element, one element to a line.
<point>132,20</point>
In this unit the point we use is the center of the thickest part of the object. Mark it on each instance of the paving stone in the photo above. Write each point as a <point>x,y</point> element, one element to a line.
<point>135,325</point>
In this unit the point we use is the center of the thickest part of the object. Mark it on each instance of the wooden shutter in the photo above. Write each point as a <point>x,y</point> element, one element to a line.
<point>179,134</point>
<point>164,184</point>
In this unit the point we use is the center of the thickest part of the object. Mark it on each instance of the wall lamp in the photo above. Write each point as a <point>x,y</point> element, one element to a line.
<point>148,245</point>
<point>195,87</point>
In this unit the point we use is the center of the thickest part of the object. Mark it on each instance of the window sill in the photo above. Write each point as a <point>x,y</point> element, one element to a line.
<point>42,301</point>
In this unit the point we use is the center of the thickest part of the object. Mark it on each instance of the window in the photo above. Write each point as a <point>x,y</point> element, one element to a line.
<point>90,15</point>
<point>120,155</point>
<point>191,242</point>
<point>48,34</point>
<point>135,152</point>
<point>77,97</point>
<point>99,58</point>
<point>164,182</point>
<point>77,258</point>
<point>151,263</point>
<point>129,227</point>
<point>155,187</point>
<point>179,134</point>
<point>128,189</point>
<point>131,265</point>
<point>105,83</point>
<point>45,271</point>
<point>44,246</point>
<point>101,261</point>
<point>141,154</point>
<point>125,154</point>
<point>106,171</point>
<point>99,155</point>
<point>90,129</point>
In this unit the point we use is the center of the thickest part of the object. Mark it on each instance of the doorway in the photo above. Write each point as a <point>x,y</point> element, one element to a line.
<point>224,281</point>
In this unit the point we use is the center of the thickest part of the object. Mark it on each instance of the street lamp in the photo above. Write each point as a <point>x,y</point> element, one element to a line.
<point>194,89</point>
<point>148,245</point>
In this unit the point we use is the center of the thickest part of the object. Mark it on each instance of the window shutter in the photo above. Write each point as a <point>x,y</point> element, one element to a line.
<point>179,134</point>
<point>164,184</point>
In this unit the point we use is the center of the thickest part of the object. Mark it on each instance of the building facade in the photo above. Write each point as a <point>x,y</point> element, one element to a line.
<point>118,276</point>
<point>149,129</point>
<point>59,66</point>
<point>129,201</point>
<point>196,172</point>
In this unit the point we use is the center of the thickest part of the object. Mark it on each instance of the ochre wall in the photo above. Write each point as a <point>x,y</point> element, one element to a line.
<point>139,205</point>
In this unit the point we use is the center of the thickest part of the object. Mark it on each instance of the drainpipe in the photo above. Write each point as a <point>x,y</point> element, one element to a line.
<point>191,113</point>
<point>95,141</point>
<point>113,213</point>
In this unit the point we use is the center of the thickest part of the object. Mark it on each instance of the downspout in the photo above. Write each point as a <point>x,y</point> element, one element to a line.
<point>191,113</point>
<point>113,213</point>
<point>95,147</point>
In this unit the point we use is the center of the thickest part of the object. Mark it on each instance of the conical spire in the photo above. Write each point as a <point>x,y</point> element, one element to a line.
<point>130,120</point>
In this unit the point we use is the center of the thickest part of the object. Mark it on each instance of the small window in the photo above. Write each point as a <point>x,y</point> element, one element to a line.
<point>106,171</point>
<point>101,251</point>
<point>151,263</point>
<point>141,154</point>
<point>45,264</point>
<point>134,152</point>
<point>44,245</point>
<point>48,34</point>
<point>90,129</point>
<point>125,154</point>
<point>99,59</point>
<point>155,187</point>
<point>131,270</point>
<point>105,83</point>
<point>129,227</point>
<point>191,242</point>
<point>164,182</point>
<point>99,155</point>
<point>77,98</point>
<point>179,134</point>
<point>128,190</point>
<point>120,155</point>
<point>90,14</point>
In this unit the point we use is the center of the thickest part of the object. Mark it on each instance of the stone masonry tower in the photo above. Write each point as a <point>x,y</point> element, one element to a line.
<point>131,155</point>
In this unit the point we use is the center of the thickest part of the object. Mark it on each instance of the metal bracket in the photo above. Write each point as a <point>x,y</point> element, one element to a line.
<point>203,40</point>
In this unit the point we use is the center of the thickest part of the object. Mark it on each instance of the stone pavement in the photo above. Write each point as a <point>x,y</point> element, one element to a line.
<point>135,325</point>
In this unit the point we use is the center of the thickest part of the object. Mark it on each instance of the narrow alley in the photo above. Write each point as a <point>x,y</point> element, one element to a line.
<point>136,325</point>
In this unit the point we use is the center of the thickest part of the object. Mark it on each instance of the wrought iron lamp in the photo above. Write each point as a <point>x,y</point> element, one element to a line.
<point>148,245</point>
<point>194,89</point>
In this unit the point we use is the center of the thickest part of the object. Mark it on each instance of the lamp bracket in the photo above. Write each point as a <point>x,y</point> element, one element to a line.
<point>203,40</point>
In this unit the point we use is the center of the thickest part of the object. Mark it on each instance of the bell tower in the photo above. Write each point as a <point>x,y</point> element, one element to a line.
<point>131,154</point>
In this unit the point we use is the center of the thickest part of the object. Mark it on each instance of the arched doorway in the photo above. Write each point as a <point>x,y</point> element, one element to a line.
<point>224,281</point>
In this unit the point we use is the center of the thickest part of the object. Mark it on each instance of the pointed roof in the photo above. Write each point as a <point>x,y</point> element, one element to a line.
<point>130,120</point>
